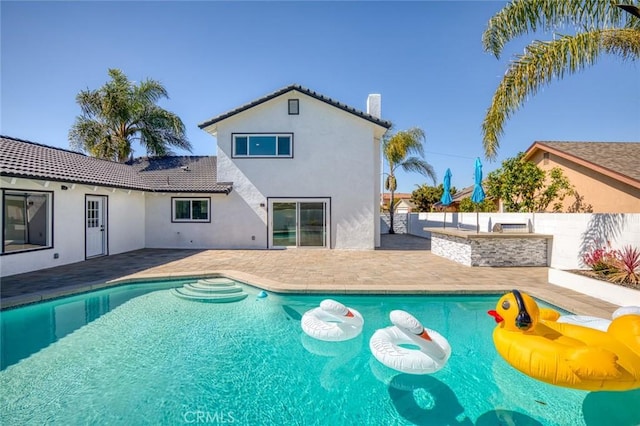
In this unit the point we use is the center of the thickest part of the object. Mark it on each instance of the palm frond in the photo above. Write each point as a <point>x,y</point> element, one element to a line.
<point>523,16</point>
<point>119,113</point>
<point>624,42</point>
<point>404,143</point>
<point>418,165</point>
<point>538,66</point>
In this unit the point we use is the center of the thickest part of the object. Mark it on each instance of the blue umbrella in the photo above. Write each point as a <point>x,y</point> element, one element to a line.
<point>446,195</point>
<point>478,193</point>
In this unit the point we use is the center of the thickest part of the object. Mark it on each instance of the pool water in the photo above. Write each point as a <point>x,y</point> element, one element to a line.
<point>159,359</point>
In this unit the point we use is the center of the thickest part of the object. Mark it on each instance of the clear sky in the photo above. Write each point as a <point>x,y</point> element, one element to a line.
<point>425,58</point>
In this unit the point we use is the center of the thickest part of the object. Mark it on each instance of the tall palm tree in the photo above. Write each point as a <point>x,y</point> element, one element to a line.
<point>397,149</point>
<point>121,112</point>
<point>597,26</point>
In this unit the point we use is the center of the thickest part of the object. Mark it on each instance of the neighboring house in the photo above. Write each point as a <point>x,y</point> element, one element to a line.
<point>457,198</point>
<point>294,168</point>
<point>403,202</point>
<point>606,175</point>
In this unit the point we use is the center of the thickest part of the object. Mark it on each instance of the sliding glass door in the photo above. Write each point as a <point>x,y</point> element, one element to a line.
<point>299,223</point>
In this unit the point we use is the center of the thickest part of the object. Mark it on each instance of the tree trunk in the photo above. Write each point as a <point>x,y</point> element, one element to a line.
<point>391,209</point>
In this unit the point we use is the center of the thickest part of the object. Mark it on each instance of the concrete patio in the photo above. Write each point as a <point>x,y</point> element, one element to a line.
<point>403,264</point>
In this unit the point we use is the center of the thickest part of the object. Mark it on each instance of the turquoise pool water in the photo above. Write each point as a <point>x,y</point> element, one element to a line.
<point>107,358</point>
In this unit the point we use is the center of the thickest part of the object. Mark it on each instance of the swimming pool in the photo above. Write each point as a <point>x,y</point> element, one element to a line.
<point>159,359</point>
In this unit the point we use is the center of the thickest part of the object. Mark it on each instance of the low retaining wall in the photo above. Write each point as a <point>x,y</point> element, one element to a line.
<point>490,249</point>
<point>618,295</point>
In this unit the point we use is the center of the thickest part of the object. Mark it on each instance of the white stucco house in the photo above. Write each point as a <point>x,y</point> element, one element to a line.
<point>293,169</point>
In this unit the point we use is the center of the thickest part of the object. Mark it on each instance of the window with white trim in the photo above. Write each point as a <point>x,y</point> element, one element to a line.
<point>28,221</point>
<point>191,209</point>
<point>262,145</point>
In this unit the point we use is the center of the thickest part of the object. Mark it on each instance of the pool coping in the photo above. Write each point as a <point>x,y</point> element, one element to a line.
<point>555,299</point>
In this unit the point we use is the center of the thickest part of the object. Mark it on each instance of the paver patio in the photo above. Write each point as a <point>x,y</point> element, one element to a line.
<point>403,264</point>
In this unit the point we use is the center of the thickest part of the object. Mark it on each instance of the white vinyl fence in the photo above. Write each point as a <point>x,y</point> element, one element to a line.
<point>574,234</point>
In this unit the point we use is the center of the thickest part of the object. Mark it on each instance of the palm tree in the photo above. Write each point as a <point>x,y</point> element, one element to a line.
<point>600,27</point>
<point>121,112</point>
<point>397,150</point>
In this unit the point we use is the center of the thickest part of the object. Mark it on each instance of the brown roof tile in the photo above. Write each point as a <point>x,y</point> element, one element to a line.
<point>25,159</point>
<point>621,158</point>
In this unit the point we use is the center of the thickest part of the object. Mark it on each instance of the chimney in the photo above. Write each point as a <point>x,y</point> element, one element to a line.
<point>373,105</point>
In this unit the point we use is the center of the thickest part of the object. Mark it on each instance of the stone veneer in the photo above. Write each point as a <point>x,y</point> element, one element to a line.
<point>491,249</point>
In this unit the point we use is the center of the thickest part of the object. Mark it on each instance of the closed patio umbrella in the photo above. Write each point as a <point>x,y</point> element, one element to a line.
<point>446,195</point>
<point>478,193</point>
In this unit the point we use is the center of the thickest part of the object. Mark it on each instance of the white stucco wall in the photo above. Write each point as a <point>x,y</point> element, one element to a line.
<point>336,156</point>
<point>230,227</point>
<point>125,225</point>
<point>572,233</point>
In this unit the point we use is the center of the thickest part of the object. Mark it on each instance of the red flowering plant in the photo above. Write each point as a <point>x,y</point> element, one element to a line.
<point>618,266</point>
<point>627,266</point>
<point>601,259</point>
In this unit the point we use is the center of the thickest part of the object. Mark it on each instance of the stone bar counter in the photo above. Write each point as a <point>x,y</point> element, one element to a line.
<point>472,248</point>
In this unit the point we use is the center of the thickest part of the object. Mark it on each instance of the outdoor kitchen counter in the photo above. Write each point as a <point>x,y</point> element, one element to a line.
<point>472,248</point>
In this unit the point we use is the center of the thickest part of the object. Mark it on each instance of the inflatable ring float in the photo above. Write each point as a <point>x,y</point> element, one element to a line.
<point>332,322</point>
<point>431,353</point>
<point>568,355</point>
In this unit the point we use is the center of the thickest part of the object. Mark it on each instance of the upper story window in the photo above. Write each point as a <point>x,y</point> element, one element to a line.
<point>263,145</point>
<point>294,106</point>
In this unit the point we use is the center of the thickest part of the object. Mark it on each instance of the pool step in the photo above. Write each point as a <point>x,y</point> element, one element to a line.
<point>213,290</point>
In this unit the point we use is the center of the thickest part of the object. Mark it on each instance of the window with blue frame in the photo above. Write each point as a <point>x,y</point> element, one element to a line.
<point>263,145</point>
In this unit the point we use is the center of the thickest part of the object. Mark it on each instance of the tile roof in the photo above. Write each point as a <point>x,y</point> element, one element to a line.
<point>615,158</point>
<point>25,159</point>
<point>301,89</point>
<point>180,174</point>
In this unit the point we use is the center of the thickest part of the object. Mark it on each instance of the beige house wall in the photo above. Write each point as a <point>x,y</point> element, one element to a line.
<point>603,193</point>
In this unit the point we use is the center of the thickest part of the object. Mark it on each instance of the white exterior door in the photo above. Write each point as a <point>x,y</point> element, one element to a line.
<point>95,226</point>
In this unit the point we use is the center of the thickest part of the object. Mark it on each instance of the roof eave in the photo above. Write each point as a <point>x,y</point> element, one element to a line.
<point>294,87</point>
<point>72,180</point>
<point>538,145</point>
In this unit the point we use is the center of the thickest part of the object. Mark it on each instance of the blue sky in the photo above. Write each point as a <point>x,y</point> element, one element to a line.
<point>425,58</point>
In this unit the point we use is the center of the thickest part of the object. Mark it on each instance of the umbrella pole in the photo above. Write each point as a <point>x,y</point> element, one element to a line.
<point>477,221</point>
<point>444,221</point>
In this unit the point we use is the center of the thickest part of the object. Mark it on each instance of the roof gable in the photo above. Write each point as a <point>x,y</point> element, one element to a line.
<point>25,159</point>
<point>305,91</point>
<point>618,160</point>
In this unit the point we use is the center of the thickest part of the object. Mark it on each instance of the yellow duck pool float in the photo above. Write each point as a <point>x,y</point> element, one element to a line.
<point>567,355</point>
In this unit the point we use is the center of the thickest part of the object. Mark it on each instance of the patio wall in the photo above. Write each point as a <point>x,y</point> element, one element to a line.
<point>573,233</point>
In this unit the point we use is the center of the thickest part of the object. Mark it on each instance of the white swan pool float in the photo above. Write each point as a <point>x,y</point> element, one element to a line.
<point>431,353</point>
<point>332,322</point>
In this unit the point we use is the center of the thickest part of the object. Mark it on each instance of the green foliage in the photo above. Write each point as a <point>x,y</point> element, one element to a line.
<point>487,205</point>
<point>404,150</point>
<point>120,112</point>
<point>579,205</point>
<point>426,196</point>
<point>602,28</point>
<point>524,187</point>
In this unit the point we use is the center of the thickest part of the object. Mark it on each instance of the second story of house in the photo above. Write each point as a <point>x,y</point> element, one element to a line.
<point>295,141</point>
